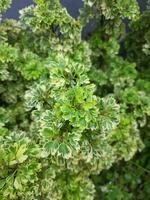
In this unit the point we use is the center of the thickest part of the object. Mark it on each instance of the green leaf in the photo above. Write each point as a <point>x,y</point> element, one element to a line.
<point>2,183</point>
<point>48,133</point>
<point>17,183</point>
<point>52,147</point>
<point>65,151</point>
<point>20,154</point>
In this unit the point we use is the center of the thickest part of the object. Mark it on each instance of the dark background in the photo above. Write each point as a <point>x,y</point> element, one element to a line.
<point>71,5</point>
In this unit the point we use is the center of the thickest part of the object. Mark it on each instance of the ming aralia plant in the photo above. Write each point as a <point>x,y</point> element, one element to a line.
<point>130,180</point>
<point>69,108</point>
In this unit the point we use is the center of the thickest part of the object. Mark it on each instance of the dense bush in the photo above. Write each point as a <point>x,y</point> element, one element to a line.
<point>71,108</point>
<point>130,180</point>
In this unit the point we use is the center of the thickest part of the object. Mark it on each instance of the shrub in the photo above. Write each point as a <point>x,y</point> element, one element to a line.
<point>70,108</point>
<point>126,80</point>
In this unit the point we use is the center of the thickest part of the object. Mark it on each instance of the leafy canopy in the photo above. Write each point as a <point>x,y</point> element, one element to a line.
<point>70,108</point>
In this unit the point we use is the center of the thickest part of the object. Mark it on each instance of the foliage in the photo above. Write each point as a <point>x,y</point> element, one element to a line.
<point>130,84</point>
<point>4,4</point>
<point>70,108</point>
<point>127,180</point>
